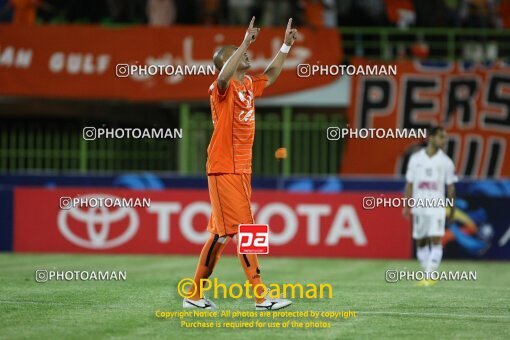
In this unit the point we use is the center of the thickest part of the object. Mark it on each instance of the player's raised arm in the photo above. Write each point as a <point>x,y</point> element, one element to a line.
<point>230,66</point>
<point>274,69</point>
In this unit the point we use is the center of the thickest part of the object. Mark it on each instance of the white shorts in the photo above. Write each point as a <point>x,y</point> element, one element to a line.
<point>428,225</point>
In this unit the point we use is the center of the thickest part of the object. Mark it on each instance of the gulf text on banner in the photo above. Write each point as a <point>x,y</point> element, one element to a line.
<point>92,62</point>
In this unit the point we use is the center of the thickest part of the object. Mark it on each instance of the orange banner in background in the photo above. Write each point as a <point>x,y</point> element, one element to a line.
<point>80,61</point>
<point>471,101</point>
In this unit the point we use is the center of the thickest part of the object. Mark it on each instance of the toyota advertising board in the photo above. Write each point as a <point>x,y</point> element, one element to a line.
<point>312,224</point>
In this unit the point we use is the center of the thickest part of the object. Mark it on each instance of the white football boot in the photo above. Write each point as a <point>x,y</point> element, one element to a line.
<point>272,304</point>
<point>203,303</point>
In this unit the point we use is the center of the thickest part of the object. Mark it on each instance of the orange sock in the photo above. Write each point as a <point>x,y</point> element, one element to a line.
<point>250,263</point>
<point>209,256</point>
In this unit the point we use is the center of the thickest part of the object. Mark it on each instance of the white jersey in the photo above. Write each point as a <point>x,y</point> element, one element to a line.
<point>429,176</point>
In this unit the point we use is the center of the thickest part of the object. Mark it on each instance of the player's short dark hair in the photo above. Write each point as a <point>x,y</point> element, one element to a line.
<point>433,130</point>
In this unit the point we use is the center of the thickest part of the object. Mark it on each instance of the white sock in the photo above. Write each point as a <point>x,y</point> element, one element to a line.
<point>436,254</point>
<point>423,254</point>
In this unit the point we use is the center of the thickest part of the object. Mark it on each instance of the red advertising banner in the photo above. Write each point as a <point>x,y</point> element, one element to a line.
<point>174,222</point>
<point>471,101</point>
<point>81,61</point>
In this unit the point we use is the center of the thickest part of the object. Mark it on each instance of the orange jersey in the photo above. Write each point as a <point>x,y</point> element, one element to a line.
<point>233,115</point>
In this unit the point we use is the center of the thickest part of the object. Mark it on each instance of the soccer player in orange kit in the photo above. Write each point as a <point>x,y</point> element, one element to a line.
<point>229,160</point>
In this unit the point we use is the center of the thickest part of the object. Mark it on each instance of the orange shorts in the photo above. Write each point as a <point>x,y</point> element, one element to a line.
<point>230,196</point>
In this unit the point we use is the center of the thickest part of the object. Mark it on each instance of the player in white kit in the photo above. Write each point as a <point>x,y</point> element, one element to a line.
<point>429,171</point>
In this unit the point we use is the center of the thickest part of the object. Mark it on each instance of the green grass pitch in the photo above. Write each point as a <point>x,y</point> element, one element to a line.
<point>91,309</point>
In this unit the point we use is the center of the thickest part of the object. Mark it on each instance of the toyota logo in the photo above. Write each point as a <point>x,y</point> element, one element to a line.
<point>98,227</point>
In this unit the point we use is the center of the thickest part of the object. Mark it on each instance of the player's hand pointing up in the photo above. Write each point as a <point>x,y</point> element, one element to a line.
<point>251,33</point>
<point>290,34</point>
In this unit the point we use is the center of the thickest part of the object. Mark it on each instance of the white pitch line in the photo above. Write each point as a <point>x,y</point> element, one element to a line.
<point>460,316</point>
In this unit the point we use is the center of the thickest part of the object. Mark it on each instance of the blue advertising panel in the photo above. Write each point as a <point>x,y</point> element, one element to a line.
<point>481,229</point>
